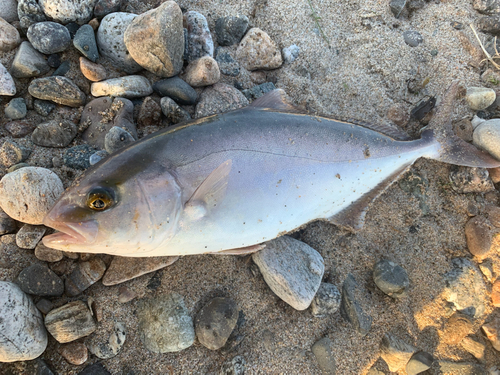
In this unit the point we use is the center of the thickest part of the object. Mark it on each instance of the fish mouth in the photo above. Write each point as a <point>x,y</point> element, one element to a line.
<point>70,233</point>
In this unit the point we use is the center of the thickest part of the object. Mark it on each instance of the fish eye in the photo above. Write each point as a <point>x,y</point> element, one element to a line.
<point>99,199</point>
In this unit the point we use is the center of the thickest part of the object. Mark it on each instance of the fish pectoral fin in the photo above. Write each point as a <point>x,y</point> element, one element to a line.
<point>242,250</point>
<point>275,99</point>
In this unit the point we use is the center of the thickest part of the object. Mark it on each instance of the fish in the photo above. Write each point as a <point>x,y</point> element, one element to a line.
<point>228,183</point>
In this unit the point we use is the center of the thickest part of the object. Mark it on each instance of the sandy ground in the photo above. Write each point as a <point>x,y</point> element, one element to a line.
<point>360,71</point>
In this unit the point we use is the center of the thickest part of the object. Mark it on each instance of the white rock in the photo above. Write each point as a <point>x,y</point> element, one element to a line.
<point>23,336</point>
<point>486,136</point>
<point>479,98</point>
<point>8,10</point>
<point>7,85</point>
<point>66,11</point>
<point>127,87</point>
<point>28,193</point>
<point>292,269</point>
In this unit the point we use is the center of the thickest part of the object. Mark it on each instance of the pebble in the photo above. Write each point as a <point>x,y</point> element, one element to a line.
<point>491,330</point>
<point>113,345</point>
<point>116,139</point>
<point>173,112</point>
<point>58,89</point>
<point>44,305</point>
<point>55,133</point>
<point>62,69</point>
<point>397,7</point>
<point>93,72</point>
<point>39,280</point>
<point>456,328</point>
<point>54,60</point>
<point>28,62</point>
<point>419,362</point>
<point>30,12</point>
<point>23,334</point>
<point>84,275</point>
<point>326,301</point>
<point>486,136</point>
<point>475,348</point>
<point>291,53</point>
<point>84,41</point>
<point>412,38</point>
<point>96,157</point>
<point>49,37</point>
<point>17,166</point>
<point>215,322</point>
<point>292,269</point>
<point>227,65</point>
<point>202,72</point>
<point>470,180</point>
<point>11,153</point>
<point>463,129</point>
<point>155,39</point>
<point>16,109</point>
<point>258,51</point>
<point>7,85</point>
<point>66,11</point>
<point>235,366</point>
<point>219,98</point>
<point>460,368</point>
<point>495,293</point>
<point>27,194</point>
<point>8,10</point>
<point>124,269</point>
<point>164,324</point>
<point>149,113</point>
<point>19,128</point>
<point>29,236</point>
<point>177,89</point>
<point>125,294</point>
<point>259,90</point>
<point>127,87</point>
<point>7,224</point>
<point>111,43</point>
<point>229,30</point>
<point>323,352</point>
<point>104,7</point>
<point>199,39</point>
<point>479,98</point>
<point>9,36</point>
<point>350,308</point>
<point>486,7</point>
<point>479,236</point>
<point>391,278</point>
<point>46,254</point>
<point>75,353</point>
<point>70,322</point>
<point>395,352</point>
<point>77,157</point>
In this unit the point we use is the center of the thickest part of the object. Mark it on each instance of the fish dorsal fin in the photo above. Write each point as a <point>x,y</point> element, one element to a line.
<point>211,191</point>
<point>276,99</point>
<point>353,216</point>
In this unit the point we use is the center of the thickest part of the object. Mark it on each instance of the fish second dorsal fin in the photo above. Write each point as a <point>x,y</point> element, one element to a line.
<point>276,99</point>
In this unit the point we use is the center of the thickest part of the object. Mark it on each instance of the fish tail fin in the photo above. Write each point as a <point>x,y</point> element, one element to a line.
<point>454,150</point>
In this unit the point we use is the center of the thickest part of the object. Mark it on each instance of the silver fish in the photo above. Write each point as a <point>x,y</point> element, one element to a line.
<point>230,182</point>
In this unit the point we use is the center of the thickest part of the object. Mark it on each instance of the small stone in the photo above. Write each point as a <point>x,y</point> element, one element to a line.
<point>19,128</point>
<point>475,348</point>
<point>326,301</point>
<point>104,7</point>
<point>149,113</point>
<point>75,353</point>
<point>227,64</point>
<point>93,72</point>
<point>215,322</point>
<point>456,329</point>
<point>11,153</point>
<point>219,98</point>
<point>391,278</point>
<point>164,324</point>
<point>55,133</point>
<point>173,112</point>
<point>77,157</point>
<point>9,36</point>
<point>58,89</point>
<point>235,366</point>
<point>8,10</point>
<point>125,294</point>
<point>412,38</point>
<point>495,293</point>
<point>395,352</point>
<point>177,89</point>
<point>479,98</point>
<point>127,87</point>
<point>419,362</point>
<point>16,109</point>
<point>493,213</point>
<point>486,136</point>
<point>96,157</point>
<point>54,60</point>
<point>65,11</point>
<point>491,330</point>
<point>397,7</point>
<point>259,90</point>
<point>479,236</point>
<point>84,275</point>
<point>44,305</point>
<point>70,322</point>
<point>62,69</point>
<point>470,180</point>
<point>23,334</point>
<point>43,107</point>
<point>28,62</point>
<point>7,224</point>
<point>230,30</point>
<point>16,167</point>
<point>202,72</point>
<point>46,254</point>
<point>29,12</point>
<point>116,139</point>
<point>463,129</point>
<point>292,269</point>
<point>350,308</point>
<point>84,41</point>
<point>113,345</point>
<point>258,77</point>
<point>72,28</point>
<point>94,23</point>
<point>486,7</point>
<point>49,37</point>
<point>7,85</point>
<point>199,39</point>
<point>123,269</point>
<point>258,51</point>
<point>323,351</point>
<point>291,53</point>
<point>27,194</point>
<point>39,280</point>
<point>29,236</point>
<point>460,368</point>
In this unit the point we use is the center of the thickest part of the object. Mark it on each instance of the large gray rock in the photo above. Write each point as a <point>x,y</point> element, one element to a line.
<point>28,62</point>
<point>49,37</point>
<point>66,11</point>
<point>292,269</point>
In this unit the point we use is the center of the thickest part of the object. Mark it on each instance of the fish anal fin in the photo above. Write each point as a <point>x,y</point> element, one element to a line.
<point>277,100</point>
<point>242,250</point>
<point>353,216</point>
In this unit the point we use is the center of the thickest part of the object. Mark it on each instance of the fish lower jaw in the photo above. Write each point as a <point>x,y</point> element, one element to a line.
<point>62,241</point>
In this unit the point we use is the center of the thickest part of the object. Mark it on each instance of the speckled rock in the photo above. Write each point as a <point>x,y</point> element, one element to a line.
<point>486,136</point>
<point>65,11</point>
<point>58,89</point>
<point>227,65</point>
<point>395,352</point>
<point>70,322</point>
<point>28,62</point>
<point>28,193</point>
<point>24,336</point>
<point>149,113</point>
<point>75,353</point>
<point>29,12</point>
<point>93,72</point>
<point>78,157</point>
<point>229,30</point>
<point>16,109</point>
<point>155,39</point>
<point>479,98</point>
<point>291,53</point>
<point>259,90</point>
<point>391,278</point>
<point>127,87</point>
<point>418,363</point>
<point>112,346</point>
<point>84,41</point>
<point>177,89</point>
<point>412,38</point>
<point>326,301</point>
<point>49,37</point>
<point>8,10</point>
<point>11,153</point>
<point>202,72</point>
<point>479,236</point>
<point>116,139</point>
<point>19,128</point>
<point>350,308</point>
<point>46,254</point>
<point>456,328</point>
<point>84,275</point>
<point>7,85</point>
<point>55,133</point>
<point>9,36</point>
<point>104,7</point>
<point>173,112</point>
<point>258,51</point>
<point>234,366</point>
<point>39,280</point>
<point>199,39</point>
<point>29,236</point>
<point>470,180</point>
<point>218,99</point>
<point>323,352</point>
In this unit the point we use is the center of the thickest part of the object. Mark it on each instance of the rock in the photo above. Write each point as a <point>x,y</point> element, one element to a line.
<point>111,43</point>
<point>391,278</point>
<point>491,330</point>
<point>397,7</point>
<point>486,136</point>
<point>29,12</point>
<point>259,90</point>
<point>27,194</point>
<point>199,39</point>
<point>23,334</point>
<point>155,39</point>
<point>84,275</point>
<point>93,72</point>
<point>7,85</point>
<point>486,7</point>
<point>202,72</point>
<point>43,107</point>
<point>116,139</point>
<point>470,180</point>
<point>19,128</point>
<point>104,7</point>
<point>177,89</point>
<point>323,351</point>
<point>292,269</point>
<point>463,129</point>
<point>16,109</point>
<point>62,69</point>
<point>65,11</point>
<point>8,10</point>
<point>46,254</point>
<point>7,224</point>
<point>149,113</point>
<point>230,30</point>
<point>412,38</point>
<point>460,368</point>
<point>173,112</point>
<point>164,324</point>
<point>326,301</point>
<point>55,133</point>
<point>113,345</point>
<point>70,322</point>
<point>456,328</point>
<point>490,77</point>
<point>215,322</point>
<point>39,280</point>
<point>493,213</point>
<point>96,157</point>
<point>84,41</point>
<point>475,348</point>
<point>44,305</point>
<point>125,294</point>
<point>488,24</point>
<point>95,369</point>
<point>218,99</point>
<point>479,98</point>
<point>127,87</point>
<point>235,366</point>
<point>123,269</point>
<point>495,293</point>
<point>479,236</point>
<point>291,53</point>
<point>77,157</point>
<point>28,62</point>
<point>350,308</point>
<point>75,353</point>
<point>227,64</point>
<point>58,89</point>
<point>395,352</point>
<point>419,362</point>
<point>29,236</point>
<point>9,36</point>
<point>258,51</point>
<point>11,153</point>
<point>49,37</point>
